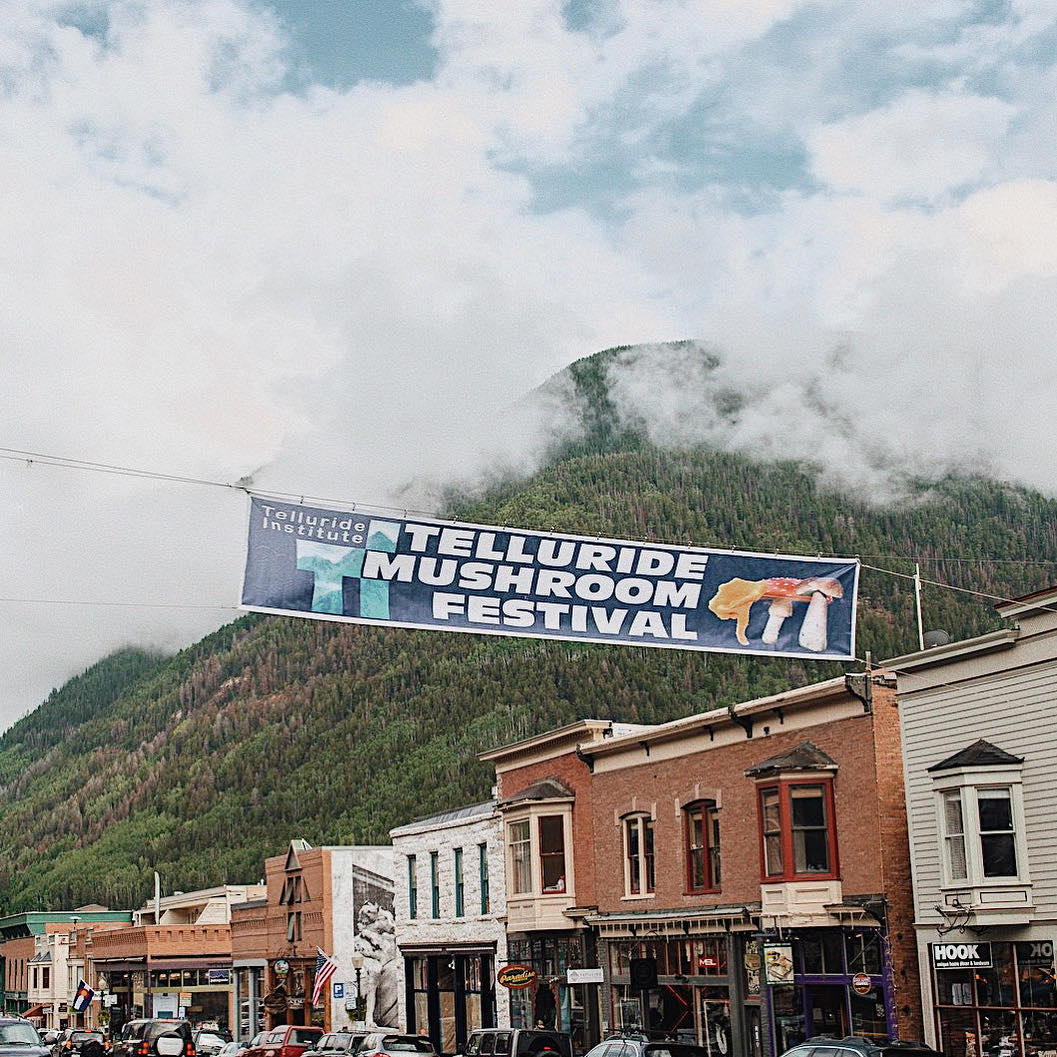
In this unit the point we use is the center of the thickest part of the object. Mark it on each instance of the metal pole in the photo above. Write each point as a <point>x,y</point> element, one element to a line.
<point>917,597</point>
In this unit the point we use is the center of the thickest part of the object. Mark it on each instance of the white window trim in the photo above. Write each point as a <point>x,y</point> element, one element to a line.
<point>532,815</point>
<point>638,816</point>
<point>969,782</point>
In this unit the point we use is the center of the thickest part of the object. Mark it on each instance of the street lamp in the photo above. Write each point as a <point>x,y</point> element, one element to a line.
<point>357,968</point>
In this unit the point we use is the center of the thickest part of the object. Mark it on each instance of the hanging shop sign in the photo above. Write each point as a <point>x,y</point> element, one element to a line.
<point>419,573</point>
<point>584,976</point>
<point>281,967</point>
<point>516,976</point>
<point>778,964</point>
<point>961,955</point>
<point>861,984</point>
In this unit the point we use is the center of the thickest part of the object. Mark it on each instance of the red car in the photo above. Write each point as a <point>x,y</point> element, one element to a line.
<point>286,1040</point>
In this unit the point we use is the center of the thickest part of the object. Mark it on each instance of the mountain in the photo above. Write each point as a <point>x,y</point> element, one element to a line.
<point>201,764</point>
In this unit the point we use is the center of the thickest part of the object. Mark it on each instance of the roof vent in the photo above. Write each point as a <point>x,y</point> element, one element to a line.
<point>932,639</point>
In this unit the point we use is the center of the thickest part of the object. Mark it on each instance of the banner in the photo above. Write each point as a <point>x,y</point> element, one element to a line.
<point>420,573</point>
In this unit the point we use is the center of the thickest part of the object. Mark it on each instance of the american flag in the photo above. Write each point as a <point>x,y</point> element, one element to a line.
<point>325,969</point>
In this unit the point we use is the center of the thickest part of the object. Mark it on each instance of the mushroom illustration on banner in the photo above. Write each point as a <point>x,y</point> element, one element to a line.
<point>734,599</point>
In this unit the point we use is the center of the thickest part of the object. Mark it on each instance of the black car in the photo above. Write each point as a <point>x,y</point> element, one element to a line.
<point>154,1038</point>
<point>855,1046</point>
<point>80,1042</point>
<point>518,1042</point>
<point>641,1046</point>
<point>18,1038</point>
<point>335,1043</point>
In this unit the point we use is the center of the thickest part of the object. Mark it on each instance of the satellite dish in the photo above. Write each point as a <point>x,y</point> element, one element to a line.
<point>932,639</point>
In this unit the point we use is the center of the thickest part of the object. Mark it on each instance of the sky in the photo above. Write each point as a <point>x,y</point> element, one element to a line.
<point>325,246</point>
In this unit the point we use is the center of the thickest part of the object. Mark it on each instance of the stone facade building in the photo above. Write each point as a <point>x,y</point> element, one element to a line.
<point>450,910</point>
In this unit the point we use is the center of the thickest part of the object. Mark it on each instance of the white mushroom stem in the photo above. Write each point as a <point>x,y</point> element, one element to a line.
<point>780,609</point>
<point>813,630</point>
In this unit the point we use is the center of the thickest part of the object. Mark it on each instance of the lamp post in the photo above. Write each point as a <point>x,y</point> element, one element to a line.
<point>357,968</point>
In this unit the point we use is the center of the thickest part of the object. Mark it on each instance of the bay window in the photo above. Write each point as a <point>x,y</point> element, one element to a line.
<point>797,832</point>
<point>980,834</point>
<point>552,852</point>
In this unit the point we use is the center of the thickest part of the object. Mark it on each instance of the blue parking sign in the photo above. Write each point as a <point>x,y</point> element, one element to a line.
<point>339,990</point>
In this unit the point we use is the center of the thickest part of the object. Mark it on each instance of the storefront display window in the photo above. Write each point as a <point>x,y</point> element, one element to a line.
<point>1003,1005</point>
<point>868,1015</point>
<point>788,1011</point>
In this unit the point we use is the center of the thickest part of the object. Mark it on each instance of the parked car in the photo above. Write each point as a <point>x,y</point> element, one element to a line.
<point>210,1041</point>
<point>254,1043</point>
<point>154,1038</point>
<point>231,1049</point>
<point>287,1040</point>
<point>518,1042</point>
<point>18,1038</point>
<point>336,1042</point>
<point>263,1041</point>
<point>390,1044</point>
<point>74,1042</point>
<point>641,1046</point>
<point>854,1046</point>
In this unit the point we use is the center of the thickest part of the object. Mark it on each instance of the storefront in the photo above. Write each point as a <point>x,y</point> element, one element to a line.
<point>288,999</point>
<point>200,993</point>
<point>247,993</point>
<point>450,993</point>
<point>994,998</point>
<point>552,1001</point>
<point>828,981</point>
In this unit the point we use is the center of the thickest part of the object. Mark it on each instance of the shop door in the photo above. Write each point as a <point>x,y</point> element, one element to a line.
<point>752,1031</point>
<point>828,1010</point>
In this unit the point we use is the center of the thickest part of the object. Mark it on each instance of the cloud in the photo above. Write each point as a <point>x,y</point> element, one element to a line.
<point>345,292</point>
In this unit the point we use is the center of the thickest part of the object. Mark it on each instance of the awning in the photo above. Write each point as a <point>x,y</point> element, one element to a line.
<point>120,965</point>
<point>189,963</point>
<point>35,1012</point>
<point>669,923</point>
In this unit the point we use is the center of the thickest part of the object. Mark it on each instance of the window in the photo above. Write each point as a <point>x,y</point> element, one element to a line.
<point>434,882</point>
<point>412,886</point>
<point>519,840</point>
<point>45,982</point>
<point>954,834</point>
<point>482,871</point>
<point>981,837</point>
<point>638,855</point>
<point>552,853</point>
<point>459,890</point>
<point>797,832</point>
<point>771,815</point>
<point>810,832</point>
<point>293,926</point>
<point>702,847</point>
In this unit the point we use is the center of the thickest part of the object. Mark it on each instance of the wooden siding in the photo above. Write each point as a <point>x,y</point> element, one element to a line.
<point>1015,710</point>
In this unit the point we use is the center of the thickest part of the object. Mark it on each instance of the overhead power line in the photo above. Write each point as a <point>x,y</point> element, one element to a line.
<point>33,458</point>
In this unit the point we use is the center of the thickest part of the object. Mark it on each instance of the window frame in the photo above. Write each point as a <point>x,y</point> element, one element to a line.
<point>709,852</point>
<point>412,887</point>
<point>482,878</point>
<point>460,887</point>
<point>641,822</point>
<point>965,786</point>
<point>545,857</point>
<point>783,787</point>
<point>526,820</point>
<point>434,884</point>
<point>519,852</point>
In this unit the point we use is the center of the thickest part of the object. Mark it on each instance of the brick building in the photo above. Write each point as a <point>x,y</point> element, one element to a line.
<point>739,878</point>
<point>544,792</point>
<point>336,898</point>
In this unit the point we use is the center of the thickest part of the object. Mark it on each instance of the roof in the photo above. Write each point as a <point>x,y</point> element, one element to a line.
<point>980,754</point>
<point>441,817</point>
<point>544,789</point>
<point>804,757</point>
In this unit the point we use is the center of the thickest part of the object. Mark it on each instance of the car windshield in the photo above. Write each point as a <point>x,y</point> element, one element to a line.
<point>86,1036</point>
<point>18,1035</point>
<point>304,1037</point>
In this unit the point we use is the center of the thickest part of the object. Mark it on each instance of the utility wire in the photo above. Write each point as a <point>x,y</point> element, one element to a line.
<point>41,458</point>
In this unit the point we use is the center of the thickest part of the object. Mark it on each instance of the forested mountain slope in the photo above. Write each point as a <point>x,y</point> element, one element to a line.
<point>200,765</point>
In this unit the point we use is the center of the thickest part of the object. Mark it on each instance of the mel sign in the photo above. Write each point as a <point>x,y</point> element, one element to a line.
<point>445,576</point>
